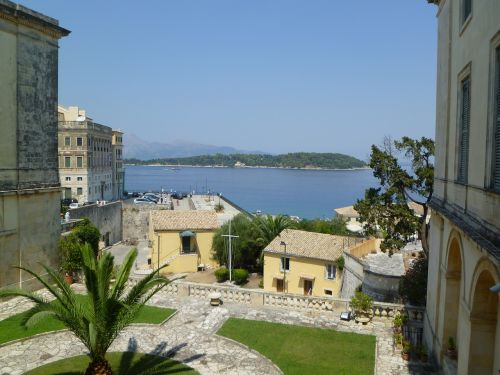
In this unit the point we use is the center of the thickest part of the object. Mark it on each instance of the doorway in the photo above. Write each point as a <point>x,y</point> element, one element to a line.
<point>308,286</point>
<point>279,285</point>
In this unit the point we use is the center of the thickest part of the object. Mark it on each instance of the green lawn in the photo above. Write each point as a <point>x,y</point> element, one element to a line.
<point>122,363</point>
<point>11,328</point>
<point>304,350</point>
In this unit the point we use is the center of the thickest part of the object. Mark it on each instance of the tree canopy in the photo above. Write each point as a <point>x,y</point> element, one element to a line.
<point>385,209</point>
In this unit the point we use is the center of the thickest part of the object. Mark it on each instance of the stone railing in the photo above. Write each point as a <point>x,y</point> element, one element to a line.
<point>290,301</point>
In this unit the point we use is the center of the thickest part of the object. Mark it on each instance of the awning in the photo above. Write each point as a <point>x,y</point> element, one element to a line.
<point>188,233</point>
<point>307,276</point>
<point>278,276</point>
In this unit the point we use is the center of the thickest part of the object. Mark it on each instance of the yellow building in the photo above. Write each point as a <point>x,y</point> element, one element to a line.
<point>301,262</point>
<point>184,239</point>
<point>464,256</point>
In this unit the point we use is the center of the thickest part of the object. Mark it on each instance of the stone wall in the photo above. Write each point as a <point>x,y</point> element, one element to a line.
<point>381,287</point>
<point>353,276</point>
<point>107,218</point>
<point>136,220</point>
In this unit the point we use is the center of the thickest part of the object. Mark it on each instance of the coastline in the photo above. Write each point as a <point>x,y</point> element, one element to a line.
<point>250,167</point>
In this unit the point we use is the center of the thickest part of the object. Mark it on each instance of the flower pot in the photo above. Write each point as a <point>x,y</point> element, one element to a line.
<point>68,279</point>
<point>452,353</point>
<point>406,356</point>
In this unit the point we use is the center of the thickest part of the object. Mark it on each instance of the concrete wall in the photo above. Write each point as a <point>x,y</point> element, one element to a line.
<point>107,218</point>
<point>383,288</point>
<point>298,266</point>
<point>29,180</point>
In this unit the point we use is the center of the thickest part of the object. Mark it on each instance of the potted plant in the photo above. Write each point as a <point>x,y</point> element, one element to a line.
<point>71,256</point>
<point>452,349</point>
<point>398,340</point>
<point>422,353</point>
<point>397,323</point>
<point>362,305</point>
<point>406,350</point>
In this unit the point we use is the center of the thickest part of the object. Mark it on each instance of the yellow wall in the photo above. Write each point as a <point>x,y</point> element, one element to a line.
<point>170,248</point>
<point>294,284</point>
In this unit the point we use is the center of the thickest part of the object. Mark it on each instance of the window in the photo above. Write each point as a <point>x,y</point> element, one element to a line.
<point>331,271</point>
<point>464,131</point>
<point>79,191</point>
<point>285,264</point>
<point>67,141</point>
<point>68,179</point>
<point>466,10</point>
<point>79,141</point>
<point>79,162</point>
<point>328,292</point>
<point>496,125</point>
<point>67,161</point>
<point>79,179</point>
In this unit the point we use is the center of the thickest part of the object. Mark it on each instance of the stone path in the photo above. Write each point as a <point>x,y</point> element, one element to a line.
<point>189,337</point>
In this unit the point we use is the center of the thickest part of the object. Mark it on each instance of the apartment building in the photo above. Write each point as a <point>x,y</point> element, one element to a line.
<point>30,226</point>
<point>88,158</point>
<point>464,259</point>
<point>119,172</point>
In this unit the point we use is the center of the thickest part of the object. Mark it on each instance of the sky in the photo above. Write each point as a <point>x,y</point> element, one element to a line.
<point>271,75</point>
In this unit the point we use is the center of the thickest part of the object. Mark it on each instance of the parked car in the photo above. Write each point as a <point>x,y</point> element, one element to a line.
<point>68,201</point>
<point>150,198</point>
<point>176,195</point>
<point>73,205</point>
<point>143,201</point>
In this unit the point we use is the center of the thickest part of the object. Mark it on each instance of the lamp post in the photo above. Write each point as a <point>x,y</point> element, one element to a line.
<point>283,243</point>
<point>158,264</point>
<point>230,237</point>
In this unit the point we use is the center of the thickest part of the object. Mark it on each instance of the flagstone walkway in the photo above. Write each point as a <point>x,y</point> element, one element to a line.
<point>189,337</point>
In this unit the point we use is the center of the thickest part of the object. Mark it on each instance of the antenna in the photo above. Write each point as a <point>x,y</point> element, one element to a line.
<point>230,236</point>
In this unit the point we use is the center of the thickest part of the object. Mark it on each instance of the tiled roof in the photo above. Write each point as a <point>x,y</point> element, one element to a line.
<point>309,244</point>
<point>348,211</point>
<point>183,220</point>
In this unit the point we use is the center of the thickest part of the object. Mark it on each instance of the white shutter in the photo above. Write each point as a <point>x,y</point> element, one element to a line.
<point>464,131</point>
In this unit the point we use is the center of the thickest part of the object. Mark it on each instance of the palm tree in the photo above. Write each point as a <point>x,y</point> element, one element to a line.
<point>97,317</point>
<point>271,226</point>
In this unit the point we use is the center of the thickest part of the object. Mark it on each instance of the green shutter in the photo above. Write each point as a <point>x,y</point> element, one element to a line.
<point>496,123</point>
<point>464,129</point>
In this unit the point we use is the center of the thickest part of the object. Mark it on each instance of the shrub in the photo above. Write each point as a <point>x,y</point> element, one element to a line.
<point>261,284</point>
<point>219,207</point>
<point>240,276</point>
<point>340,263</point>
<point>361,302</point>
<point>221,274</point>
<point>71,255</point>
<point>88,233</point>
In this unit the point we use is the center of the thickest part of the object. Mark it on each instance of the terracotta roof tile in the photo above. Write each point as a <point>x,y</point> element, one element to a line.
<point>310,245</point>
<point>183,220</point>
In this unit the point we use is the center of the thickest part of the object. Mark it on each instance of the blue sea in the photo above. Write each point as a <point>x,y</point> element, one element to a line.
<point>304,193</point>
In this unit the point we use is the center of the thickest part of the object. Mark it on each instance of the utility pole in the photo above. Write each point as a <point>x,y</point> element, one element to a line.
<point>230,237</point>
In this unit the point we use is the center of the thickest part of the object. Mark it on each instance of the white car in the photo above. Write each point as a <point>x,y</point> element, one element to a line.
<point>143,201</point>
<point>73,205</point>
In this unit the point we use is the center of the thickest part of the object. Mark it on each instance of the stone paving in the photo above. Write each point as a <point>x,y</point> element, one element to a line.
<point>189,337</point>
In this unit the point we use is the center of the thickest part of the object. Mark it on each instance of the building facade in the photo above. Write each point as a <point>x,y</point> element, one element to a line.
<point>29,182</point>
<point>87,161</point>
<point>118,170</point>
<point>464,259</point>
<point>301,262</point>
<point>182,239</point>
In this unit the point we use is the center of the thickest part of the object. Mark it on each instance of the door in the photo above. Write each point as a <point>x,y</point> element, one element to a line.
<point>67,193</point>
<point>279,285</point>
<point>308,285</point>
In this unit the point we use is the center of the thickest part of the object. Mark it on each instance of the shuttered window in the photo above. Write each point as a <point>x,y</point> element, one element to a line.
<point>464,131</point>
<point>496,124</point>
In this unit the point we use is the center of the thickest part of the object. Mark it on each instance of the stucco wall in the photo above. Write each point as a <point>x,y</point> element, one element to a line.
<point>107,218</point>
<point>353,276</point>
<point>298,266</point>
<point>170,250</point>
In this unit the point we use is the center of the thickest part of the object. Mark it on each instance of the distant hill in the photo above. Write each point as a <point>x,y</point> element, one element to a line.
<point>137,148</point>
<point>304,160</point>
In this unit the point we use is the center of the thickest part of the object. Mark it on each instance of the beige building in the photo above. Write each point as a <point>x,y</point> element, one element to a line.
<point>182,239</point>
<point>29,182</point>
<point>301,262</point>
<point>118,170</point>
<point>89,161</point>
<point>464,259</point>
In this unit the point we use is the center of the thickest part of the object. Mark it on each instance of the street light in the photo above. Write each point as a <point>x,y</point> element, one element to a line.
<point>283,243</point>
